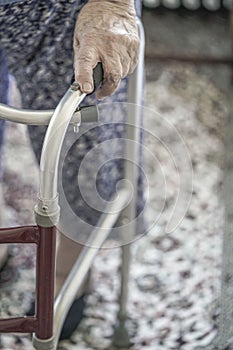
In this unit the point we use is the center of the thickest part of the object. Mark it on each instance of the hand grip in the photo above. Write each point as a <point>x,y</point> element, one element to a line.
<point>98,75</point>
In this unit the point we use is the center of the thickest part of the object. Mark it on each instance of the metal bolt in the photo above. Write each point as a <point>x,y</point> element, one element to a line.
<point>44,207</point>
<point>124,220</point>
<point>74,86</point>
<point>76,128</point>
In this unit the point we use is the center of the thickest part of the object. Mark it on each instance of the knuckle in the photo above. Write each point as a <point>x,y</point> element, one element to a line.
<point>114,78</point>
<point>85,56</point>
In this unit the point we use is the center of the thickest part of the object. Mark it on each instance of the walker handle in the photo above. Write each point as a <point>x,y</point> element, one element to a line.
<point>98,75</point>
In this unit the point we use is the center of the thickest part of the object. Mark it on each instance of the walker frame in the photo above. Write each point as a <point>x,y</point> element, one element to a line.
<point>49,316</point>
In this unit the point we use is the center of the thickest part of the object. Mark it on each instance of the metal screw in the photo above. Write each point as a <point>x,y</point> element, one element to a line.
<point>76,128</point>
<point>74,86</point>
<point>124,220</point>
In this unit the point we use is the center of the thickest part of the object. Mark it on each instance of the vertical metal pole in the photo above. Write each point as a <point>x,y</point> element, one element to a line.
<point>135,96</point>
<point>46,252</point>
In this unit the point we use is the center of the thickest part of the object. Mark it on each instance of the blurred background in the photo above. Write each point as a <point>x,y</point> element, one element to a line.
<point>175,284</point>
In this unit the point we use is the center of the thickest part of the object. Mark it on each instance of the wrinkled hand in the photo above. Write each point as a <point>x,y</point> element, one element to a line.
<point>106,31</point>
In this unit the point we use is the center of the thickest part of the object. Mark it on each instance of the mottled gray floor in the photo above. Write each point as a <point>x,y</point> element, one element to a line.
<point>175,277</point>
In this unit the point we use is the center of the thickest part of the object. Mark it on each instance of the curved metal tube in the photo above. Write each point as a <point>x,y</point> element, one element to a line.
<point>87,114</point>
<point>53,142</point>
<point>25,116</point>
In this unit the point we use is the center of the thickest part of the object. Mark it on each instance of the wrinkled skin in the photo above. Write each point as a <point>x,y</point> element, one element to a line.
<point>106,31</point>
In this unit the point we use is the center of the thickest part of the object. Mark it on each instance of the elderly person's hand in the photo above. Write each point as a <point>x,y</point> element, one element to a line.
<point>106,31</point>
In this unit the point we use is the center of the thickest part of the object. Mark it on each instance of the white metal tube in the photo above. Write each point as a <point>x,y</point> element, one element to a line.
<point>135,94</point>
<point>80,269</point>
<point>25,116</point>
<point>88,114</point>
<point>53,142</point>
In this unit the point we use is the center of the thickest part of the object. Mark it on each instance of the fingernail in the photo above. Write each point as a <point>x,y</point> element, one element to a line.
<point>87,87</point>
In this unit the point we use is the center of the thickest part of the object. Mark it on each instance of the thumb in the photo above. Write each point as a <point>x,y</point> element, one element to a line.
<point>85,59</point>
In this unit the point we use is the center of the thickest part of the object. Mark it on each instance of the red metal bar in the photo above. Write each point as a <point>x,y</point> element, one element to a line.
<point>45,276</point>
<point>42,322</point>
<point>24,234</point>
<point>25,324</point>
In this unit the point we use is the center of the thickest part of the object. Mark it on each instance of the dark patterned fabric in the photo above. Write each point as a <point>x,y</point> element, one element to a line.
<point>37,39</point>
<point>4,81</point>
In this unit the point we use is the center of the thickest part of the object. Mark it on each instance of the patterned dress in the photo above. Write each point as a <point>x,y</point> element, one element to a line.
<point>36,36</point>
